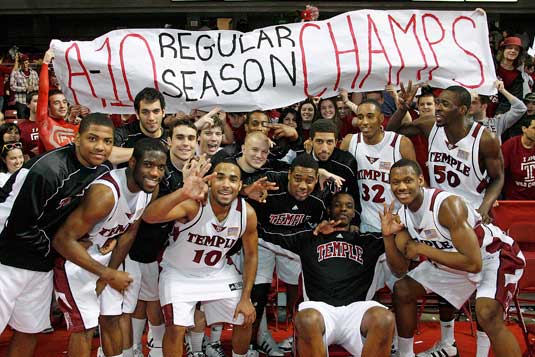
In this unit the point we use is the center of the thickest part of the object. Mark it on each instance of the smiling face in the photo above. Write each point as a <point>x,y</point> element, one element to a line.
<point>407,185</point>
<point>301,182</point>
<point>94,145</point>
<point>148,170</point>
<point>257,122</point>
<point>369,120</point>
<point>255,151</point>
<point>14,160</point>
<point>327,109</point>
<point>58,106</point>
<point>210,140</point>
<point>426,105</point>
<point>226,184</point>
<point>183,142</point>
<point>307,112</point>
<point>511,52</point>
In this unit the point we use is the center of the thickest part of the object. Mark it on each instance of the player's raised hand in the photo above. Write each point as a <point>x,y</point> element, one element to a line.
<point>119,280</point>
<point>282,130</point>
<point>328,227</point>
<point>246,308</point>
<point>390,223</point>
<point>258,190</point>
<point>406,95</point>
<point>326,177</point>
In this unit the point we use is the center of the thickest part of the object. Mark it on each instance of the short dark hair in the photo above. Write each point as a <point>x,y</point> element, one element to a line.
<point>30,95</point>
<point>181,122</point>
<point>323,126</point>
<point>95,119</point>
<point>484,99</point>
<point>253,112</point>
<point>463,95</point>
<point>150,95</point>
<point>227,160</point>
<point>51,93</point>
<point>147,144</point>
<point>374,102</point>
<point>304,160</point>
<point>407,162</point>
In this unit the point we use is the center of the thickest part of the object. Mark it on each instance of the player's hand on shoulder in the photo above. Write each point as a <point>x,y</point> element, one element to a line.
<point>246,308</point>
<point>390,222</point>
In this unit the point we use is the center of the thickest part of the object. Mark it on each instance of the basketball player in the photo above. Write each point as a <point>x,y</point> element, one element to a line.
<point>194,265</point>
<point>375,151</point>
<point>33,203</point>
<point>463,256</point>
<point>110,209</point>
<point>338,270</point>
<point>465,159</point>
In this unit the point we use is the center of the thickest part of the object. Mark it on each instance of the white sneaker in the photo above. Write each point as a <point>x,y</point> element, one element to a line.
<point>287,344</point>
<point>214,349</point>
<point>440,349</point>
<point>197,354</point>
<point>138,351</point>
<point>268,346</point>
<point>252,352</point>
<point>155,352</point>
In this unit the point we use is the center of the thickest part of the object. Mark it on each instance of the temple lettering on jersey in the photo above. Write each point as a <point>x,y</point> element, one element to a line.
<point>448,159</point>
<point>339,250</point>
<point>373,175</point>
<point>435,244</point>
<point>120,229</point>
<point>211,241</point>
<point>288,219</point>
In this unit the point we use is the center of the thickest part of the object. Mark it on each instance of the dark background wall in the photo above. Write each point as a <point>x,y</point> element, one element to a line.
<point>30,24</point>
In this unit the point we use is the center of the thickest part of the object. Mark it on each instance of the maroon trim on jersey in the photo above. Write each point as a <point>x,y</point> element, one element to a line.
<point>393,143</point>
<point>168,316</point>
<point>239,205</point>
<point>108,177</point>
<point>480,233</point>
<point>509,263</point>
<point>476,130</point>
<point>433,198</point>
<point>359,138</point>
<point>72,314</point>
<point>482,186</point>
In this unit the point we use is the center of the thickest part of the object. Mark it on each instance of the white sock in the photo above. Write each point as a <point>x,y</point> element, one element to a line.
<point>262,327</point>
<point>138,326</point>
<point>483,344</point>
<point>446,330</point>
<point>215,333</point>
<point>128,353</point>
<point>234,354</point>
<point>119,355</point>
<point>195,339</point>
<point>405,346</point>
<point>157,334</point>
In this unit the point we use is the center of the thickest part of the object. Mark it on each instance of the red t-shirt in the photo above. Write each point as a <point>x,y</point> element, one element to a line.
<point>29,136</point>
<point>519,169</point>
<point>421,148</point>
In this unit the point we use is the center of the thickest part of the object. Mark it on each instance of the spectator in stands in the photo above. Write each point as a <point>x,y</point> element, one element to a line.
<point>12,160</point>
<point>9,132</point>
<point>52,109</point>
<point>519,163</point>
<point>29,132</point>
<point>4,71</point>
<point>328,110</point>
<point>289,117</point>
<point>501,122</point>
<point>210,137</point>
<point>510,59</point>
<point>308,113</point>
<point>22,81</point>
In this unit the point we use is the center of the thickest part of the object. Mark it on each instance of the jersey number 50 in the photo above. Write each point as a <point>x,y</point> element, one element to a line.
<point>442,175</point>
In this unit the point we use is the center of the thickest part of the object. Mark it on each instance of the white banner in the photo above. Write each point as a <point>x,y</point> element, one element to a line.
<point>278,65</point>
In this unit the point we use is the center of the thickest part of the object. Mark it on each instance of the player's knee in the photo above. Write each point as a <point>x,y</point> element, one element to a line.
<point>109,321</point>
<point>175,332</point>
<point>403,291</point>
<point>379,319</point>
<point>489,316</point>
<point>308,321</point>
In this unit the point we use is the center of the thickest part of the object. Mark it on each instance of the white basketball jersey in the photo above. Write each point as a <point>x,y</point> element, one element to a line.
<point>455,167</point>
<point>374,163</point>
<point>424,227</point>
<point>199,247</point>
<point>128,208</point>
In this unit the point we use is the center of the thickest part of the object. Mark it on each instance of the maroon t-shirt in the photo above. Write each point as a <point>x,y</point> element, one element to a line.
<point>519,168</point>
<point>29,136</point>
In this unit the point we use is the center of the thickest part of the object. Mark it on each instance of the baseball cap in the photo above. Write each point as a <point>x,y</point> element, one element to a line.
<point>512,41</point>
<point>530,97</point>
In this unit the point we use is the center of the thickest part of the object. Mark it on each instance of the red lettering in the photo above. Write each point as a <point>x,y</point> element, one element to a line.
<point>338,52</point>
<point>321,252</point>
<point>481,72</point>
<point>112,77</point>
<point>371,25</point>
<point>74,74</point>
<point>412,22</point>
<point>304,60</point>
<point>121,56</point>
<point>430,43</point>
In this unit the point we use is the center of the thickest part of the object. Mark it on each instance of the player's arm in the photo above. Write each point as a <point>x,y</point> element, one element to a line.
<point>493,162</point>
<point>95,206</point>
<point>395,238</point>
<point>453,215</point>
<point>345,142</point>
<point>120,155</point>
<point>250,259</point>
<point>406,149</point>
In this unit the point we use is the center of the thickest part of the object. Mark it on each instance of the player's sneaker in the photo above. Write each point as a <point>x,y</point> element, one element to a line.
<point>252,352</point>
<point>155,352</point>
<point>138,351</point>
<point>197,354</point>
<point>268,346</point>
<point>441,349</point>
<point>214,349</point>
<point>287,344</point>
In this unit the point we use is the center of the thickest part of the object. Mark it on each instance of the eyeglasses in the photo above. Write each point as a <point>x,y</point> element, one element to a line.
<point>11,146</point>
